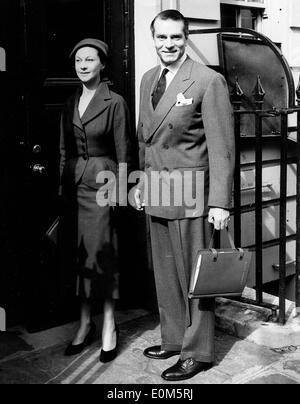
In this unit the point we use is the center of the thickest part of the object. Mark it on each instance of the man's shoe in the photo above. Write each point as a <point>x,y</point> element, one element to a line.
<point>186,369</point>
<point>155,352</point>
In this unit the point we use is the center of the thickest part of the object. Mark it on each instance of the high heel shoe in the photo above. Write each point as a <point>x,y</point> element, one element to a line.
<point>77,349</point>
<point>108,356</point>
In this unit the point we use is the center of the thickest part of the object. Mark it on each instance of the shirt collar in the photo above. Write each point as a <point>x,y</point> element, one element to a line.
<point>173,68</point>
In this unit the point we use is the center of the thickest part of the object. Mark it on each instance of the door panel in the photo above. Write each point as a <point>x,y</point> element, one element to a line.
<point>65,24</point>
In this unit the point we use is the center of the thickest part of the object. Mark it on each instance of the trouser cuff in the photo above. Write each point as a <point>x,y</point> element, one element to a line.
<point>171,347</point>
<point>197,356</point>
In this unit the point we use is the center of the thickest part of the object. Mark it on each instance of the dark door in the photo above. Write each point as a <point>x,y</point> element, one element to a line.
<point>38,37</point>
<point>12,160</point>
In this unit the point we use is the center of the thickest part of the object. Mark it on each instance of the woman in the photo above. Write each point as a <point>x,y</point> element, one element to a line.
<point>94,138</point>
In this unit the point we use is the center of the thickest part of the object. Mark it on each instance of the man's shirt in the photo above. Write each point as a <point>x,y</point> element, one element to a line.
<point>173,69</point>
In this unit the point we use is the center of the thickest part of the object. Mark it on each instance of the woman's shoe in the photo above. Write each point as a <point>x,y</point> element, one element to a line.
<point>77,349</point>
<point>108,356</point>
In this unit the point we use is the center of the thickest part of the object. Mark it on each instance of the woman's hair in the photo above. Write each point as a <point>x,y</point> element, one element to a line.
<point>104,61</point>
<point>174,15</point>
<point>102,57</point>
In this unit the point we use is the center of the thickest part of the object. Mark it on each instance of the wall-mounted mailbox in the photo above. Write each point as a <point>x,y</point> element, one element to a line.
<point>2,60</point>
<point>2,320</point>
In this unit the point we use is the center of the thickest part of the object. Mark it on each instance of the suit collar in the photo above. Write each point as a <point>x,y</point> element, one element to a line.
<point>180,84</point>
<point>175,66</point>
<point>97,105</point>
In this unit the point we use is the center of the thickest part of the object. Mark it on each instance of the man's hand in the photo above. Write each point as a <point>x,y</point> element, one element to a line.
<point>219,217</point>
<point>139,204</point>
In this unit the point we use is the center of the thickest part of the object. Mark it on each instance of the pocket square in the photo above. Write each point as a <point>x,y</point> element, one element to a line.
<point>182,101</point>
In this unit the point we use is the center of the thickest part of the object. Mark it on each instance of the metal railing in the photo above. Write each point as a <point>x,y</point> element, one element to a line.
<point>260,114</point>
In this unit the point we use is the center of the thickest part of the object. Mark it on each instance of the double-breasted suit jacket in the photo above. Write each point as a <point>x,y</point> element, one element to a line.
<point>98,141</point>
<point>196,136</point>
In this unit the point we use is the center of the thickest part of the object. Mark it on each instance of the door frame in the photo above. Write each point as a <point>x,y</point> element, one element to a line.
<point>128,51</point>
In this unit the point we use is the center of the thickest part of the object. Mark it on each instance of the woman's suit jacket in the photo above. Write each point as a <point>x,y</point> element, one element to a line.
<point>99,141</point>
<point>195,135</point>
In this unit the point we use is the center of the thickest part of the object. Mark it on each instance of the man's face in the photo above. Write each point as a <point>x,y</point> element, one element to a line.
<point>170,41</point>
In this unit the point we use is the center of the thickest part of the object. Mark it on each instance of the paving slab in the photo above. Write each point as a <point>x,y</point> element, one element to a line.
<point>237,362</point>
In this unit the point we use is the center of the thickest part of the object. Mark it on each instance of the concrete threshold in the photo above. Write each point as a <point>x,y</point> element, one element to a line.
<point>253,323</point>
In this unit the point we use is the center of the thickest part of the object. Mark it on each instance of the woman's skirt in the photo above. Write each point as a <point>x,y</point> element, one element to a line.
<point>89,243</point>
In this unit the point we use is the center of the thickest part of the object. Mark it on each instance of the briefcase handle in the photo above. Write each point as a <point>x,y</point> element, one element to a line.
<point>232,245</point>
<point>211,243</point>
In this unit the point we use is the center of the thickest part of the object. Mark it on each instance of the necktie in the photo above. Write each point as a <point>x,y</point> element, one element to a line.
<point>160,88</point>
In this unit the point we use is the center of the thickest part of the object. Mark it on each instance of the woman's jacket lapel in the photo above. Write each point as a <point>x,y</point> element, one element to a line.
<point>97,105</point>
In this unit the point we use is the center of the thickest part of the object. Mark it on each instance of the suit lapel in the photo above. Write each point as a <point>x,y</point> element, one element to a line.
<point>180,84</point>
<point>154,81</point>
<point>147,110</point>
<point>76,118</point>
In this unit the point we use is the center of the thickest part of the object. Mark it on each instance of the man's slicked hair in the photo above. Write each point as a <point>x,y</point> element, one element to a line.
<point>174,15</point>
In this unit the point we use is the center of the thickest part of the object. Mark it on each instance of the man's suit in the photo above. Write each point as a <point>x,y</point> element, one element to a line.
<point>198,137</point>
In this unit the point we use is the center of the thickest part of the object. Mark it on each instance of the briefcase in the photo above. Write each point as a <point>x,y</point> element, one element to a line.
<point>220,273</point>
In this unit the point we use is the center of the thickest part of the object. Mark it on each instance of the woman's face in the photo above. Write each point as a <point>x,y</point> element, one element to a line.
<point>88,65</point>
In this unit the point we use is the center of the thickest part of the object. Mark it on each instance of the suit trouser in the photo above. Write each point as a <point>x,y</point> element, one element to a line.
<point>174,247</point>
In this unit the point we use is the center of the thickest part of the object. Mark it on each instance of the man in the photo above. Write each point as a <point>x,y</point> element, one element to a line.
<point>185,126</point>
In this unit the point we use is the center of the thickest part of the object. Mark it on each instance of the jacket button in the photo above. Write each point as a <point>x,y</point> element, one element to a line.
<point>170,126</point>
<point>85,157</point>
<point>166,146</point>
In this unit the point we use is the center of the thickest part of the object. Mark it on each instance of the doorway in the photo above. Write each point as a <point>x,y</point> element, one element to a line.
<point>36,38</point>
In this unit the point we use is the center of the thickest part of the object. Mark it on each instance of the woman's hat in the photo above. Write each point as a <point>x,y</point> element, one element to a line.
<point>94,43</point>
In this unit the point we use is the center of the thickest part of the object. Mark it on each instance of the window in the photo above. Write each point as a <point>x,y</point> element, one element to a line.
<point>228,16</point>
<point>248,18</point>
<point>240,17</point>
